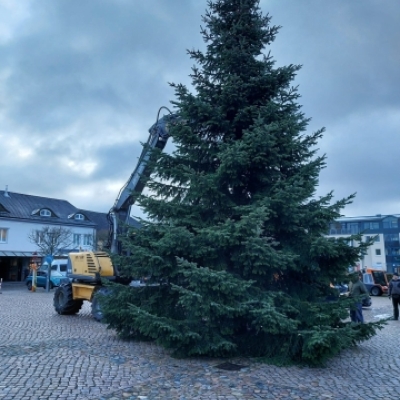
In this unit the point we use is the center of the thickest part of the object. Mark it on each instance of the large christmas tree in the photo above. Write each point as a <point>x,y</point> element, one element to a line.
<point>235,243</point>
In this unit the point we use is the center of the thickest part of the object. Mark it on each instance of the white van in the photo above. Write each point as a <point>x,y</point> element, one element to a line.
<point>59,265</point>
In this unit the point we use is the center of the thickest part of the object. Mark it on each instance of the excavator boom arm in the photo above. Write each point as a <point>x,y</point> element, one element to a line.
<point>120,212</point>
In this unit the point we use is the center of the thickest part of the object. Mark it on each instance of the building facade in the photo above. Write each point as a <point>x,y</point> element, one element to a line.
<point>384,254</point>
<point>24,216</point>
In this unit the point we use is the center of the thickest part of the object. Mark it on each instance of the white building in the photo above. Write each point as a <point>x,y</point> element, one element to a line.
<point>21,215</point>
<point>384,253</point>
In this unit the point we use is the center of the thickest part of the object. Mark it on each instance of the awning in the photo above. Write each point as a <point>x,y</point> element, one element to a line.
<point>16,254</point>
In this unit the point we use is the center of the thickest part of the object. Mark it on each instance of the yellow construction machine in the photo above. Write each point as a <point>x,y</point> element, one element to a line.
<point>86,270</point>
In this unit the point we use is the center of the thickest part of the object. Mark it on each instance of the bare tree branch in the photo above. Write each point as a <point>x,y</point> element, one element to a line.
<point>50,240</point>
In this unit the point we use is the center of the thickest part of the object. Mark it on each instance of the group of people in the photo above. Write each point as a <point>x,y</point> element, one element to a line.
<point>359,290</point>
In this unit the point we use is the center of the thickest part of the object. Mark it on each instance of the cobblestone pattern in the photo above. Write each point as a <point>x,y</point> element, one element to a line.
<point>47,356</point>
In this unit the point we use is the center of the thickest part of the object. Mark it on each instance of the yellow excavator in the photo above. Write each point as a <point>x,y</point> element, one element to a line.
<point>85,270</point>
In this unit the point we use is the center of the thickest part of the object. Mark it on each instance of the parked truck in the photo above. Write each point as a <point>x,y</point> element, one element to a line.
<point>375,281</point>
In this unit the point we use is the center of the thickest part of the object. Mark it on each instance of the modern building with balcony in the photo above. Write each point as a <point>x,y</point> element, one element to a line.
<point>384,254</point>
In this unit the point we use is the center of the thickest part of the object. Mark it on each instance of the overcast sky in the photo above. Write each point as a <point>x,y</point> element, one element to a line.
<point>82,81</point>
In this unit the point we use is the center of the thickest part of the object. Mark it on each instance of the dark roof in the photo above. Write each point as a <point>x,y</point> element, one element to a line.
<point>378,217</point>
<point>102,222</point>
<point>100,219</point>
<point>135,223</point>
<point>25,207</point>
<point>21,206</point>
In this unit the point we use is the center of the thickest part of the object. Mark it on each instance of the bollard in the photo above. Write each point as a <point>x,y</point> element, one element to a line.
<point>34,275</point>
<point>1,281</point>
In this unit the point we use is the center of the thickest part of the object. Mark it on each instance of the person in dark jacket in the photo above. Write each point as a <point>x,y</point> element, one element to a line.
<point>357,289</point>
<point>394,294</point>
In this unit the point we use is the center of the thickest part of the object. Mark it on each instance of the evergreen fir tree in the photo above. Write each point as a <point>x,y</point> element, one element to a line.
<point>236,236</point>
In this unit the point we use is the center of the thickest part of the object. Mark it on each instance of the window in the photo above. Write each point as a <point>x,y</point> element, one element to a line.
<point>45,212</point>
<point>377,252</point>
<point>348,228</point>
<point>335,228</point>
<point>390,222</point>
<point>39,237</point>
<point>77,216</point>
<point>371,225</point>
<point>63,267</point>
<point>3,235</point>
<point>391,237</point>
<point>379,278</point>
<point>376,238</point>
<point>77,239</point>
<point>392,251</point>
<point>349,242</point>
<point>353,227</point>
<point>59,267</point>
<point>367,278</point>
<point>87,240</point>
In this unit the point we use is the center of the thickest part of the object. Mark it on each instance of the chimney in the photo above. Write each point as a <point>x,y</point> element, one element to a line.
<point>6,192</point>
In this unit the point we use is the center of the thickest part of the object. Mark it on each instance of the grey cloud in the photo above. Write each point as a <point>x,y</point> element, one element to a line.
<point>349,52</point>
<point>89,54</point>
<point>83,81</point>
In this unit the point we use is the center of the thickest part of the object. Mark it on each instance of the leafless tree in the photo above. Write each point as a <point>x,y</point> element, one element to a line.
<point>51,239</point>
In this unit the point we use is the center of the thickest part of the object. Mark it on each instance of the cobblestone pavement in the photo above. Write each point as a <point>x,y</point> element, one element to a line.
<point>47,356</point>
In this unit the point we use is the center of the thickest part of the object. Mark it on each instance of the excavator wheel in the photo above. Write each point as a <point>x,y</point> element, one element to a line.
<point>96,307</point>
<point>63,302</point>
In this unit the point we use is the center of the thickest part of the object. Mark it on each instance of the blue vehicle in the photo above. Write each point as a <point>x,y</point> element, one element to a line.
<point>342,288</point>
<point>55,279</point>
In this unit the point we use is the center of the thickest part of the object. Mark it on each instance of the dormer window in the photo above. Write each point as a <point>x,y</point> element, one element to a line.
<point>44,212</point>
<point>78,216</point>
<point>3,209</point>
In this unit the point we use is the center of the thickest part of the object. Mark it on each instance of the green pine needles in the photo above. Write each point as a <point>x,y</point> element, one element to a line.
<point>235,242</point>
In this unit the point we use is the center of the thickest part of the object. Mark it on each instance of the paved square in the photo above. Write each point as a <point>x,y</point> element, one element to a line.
<point>47,356</point>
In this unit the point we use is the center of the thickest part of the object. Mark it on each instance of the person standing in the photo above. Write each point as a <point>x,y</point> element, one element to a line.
<point>394,294</point>
<point>357,289</point>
